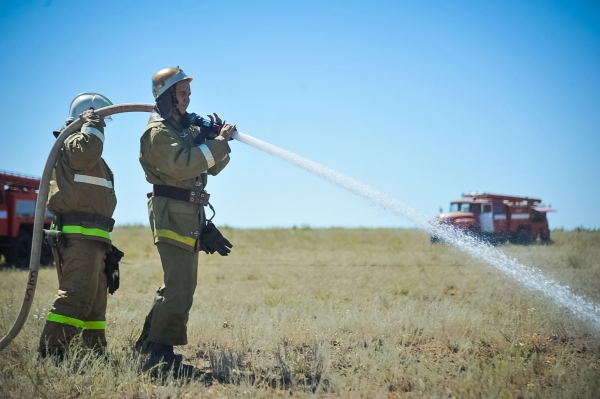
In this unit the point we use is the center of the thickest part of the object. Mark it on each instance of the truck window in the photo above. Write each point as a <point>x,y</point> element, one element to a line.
<point>536,216</point>
<point>25,208</point>
<point>475,208</point>
<point>498,209</point>
<point>487,208</point>
<point>459,207</point>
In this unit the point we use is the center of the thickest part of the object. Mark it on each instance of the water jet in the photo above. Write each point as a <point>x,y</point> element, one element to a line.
<point>531,278</point>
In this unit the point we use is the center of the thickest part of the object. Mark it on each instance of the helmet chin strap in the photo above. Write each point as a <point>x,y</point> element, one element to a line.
<point>184,118</point>
<point>174,100</point>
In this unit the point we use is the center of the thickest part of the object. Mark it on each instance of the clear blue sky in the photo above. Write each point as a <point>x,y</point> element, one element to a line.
<point>422,100</point>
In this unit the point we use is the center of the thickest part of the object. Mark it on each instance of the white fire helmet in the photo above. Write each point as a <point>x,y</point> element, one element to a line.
<point>165,78</point>
<point>84,101</point>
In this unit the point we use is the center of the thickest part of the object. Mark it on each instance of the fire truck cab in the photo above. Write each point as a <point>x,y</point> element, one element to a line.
<point>18,195</point>
<point>499,218</point>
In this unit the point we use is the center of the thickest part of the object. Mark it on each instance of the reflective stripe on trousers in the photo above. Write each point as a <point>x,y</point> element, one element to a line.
<point>86,231</point>
<point>176,237</point>
<point>70,321</point>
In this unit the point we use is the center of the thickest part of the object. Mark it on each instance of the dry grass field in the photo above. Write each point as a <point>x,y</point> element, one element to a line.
<point>348,313</point>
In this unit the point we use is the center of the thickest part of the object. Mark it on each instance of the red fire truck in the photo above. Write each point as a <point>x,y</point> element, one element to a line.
<point>499,218</point>
<point>18,195</point>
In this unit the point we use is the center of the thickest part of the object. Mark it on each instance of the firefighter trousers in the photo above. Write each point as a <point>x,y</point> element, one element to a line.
<point>80,306</point>
<point>170,312</point>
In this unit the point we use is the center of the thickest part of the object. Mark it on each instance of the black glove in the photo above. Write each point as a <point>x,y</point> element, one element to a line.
<point>212,241</point>
<point>217,124</point>
<point>206,133</point>
<point>202,136</point>
<point>111,264</point>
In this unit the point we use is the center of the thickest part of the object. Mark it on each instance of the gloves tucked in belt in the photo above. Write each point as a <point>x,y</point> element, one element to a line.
<point>111,264</point>
<point>212,241</point>
<point>54,238</point>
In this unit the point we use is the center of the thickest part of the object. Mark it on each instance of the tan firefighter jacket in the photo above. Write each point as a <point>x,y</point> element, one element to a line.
<point>169,157</point>
<point>83,182</point>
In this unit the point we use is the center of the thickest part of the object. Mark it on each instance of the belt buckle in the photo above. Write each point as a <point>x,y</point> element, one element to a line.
<point>199,197</point>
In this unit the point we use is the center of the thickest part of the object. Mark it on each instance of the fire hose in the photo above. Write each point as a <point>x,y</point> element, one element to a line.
<point>40,210</point>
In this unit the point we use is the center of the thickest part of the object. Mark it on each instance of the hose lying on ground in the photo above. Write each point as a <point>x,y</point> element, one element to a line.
<point>40,210</point>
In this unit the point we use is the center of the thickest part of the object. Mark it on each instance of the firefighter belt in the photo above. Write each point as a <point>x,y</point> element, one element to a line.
<point>199,197</point>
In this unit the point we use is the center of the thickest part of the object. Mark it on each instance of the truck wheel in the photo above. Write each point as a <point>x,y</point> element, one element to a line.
<point>19,252</point>
<point>494,239</point>
<point>5,262</point>
<point>476,234</point>
<point>545,238</point>
<point>523,237</point>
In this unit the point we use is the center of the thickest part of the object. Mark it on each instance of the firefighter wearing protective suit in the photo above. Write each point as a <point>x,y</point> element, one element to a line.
<point>177,156</point>
<point>82,198</point>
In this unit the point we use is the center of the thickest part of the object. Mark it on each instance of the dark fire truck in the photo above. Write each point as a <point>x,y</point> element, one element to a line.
<point>499,218</point>
<point>18,195</point>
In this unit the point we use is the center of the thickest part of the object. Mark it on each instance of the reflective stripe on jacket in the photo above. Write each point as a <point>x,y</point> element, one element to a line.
<point>82,181</point>
<point>168,156</point>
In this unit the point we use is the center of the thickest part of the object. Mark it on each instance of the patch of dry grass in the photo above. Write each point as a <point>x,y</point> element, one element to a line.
<point>338,312</point>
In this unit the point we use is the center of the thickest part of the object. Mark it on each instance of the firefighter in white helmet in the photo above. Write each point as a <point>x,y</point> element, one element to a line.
<point>82,199</point>
<point>177,156</point>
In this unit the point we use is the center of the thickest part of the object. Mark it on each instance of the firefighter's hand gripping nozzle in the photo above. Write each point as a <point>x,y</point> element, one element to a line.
<point>209,129</point>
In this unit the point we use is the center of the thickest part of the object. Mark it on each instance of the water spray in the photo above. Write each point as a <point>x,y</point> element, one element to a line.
<point>532,278</point>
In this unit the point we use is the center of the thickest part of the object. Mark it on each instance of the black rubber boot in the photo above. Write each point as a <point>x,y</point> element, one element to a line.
<point>142,345</point>
<point>162,360</point>
<point>59,353</point>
